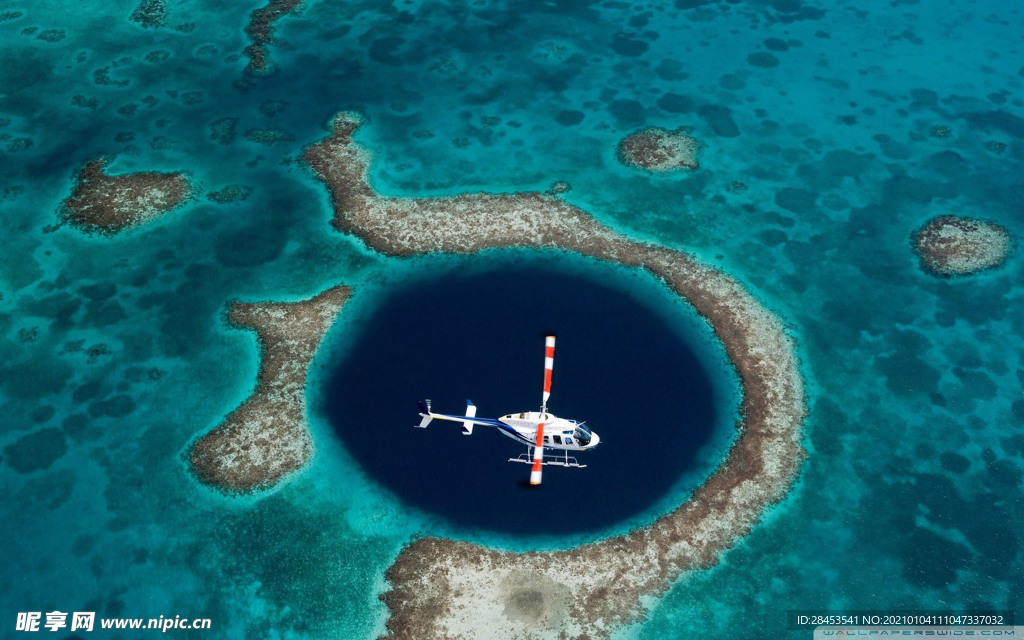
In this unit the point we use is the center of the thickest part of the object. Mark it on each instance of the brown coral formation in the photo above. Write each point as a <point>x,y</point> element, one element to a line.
<point>267,436</point>
<point>955,246</point>
<point>261,31</point>
<point>107,204</point>
<point>150,13</point>
<point>658,150</point>
<point>450,589</point>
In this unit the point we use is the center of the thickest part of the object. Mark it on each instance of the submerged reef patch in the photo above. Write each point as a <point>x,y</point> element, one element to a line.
<point>956,246</point>
<point>658,150</point>
<point>442,588</point>
<point>106,204</point>
<point>150,14</point>
<point>230,193</point>
<point>261,32</point>
<point>267,437</point>
<point>35,451</point>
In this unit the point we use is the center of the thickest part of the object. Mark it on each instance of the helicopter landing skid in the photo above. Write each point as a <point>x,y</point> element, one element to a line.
<point>566,461</point>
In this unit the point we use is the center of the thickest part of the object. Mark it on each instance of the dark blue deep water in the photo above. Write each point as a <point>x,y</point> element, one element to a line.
<point>618,365</point>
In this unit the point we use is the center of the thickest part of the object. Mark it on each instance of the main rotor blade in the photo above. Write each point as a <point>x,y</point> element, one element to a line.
<point>549,364</point>
<point>538,455</point>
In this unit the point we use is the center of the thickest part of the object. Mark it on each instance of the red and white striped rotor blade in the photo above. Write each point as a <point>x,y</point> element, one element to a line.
<point>549,363</point>
<point>538,456</point>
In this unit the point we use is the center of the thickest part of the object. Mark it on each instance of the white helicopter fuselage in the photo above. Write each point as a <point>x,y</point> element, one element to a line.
<point>559,433</point>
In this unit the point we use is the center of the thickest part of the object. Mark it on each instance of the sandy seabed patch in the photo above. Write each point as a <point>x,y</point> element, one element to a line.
<point>659,150</point>
<point>107,204</point>
<point>267,436</point>
<point>958,246</point>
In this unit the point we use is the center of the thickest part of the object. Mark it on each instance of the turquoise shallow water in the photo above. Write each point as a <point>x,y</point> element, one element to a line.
<point>829,133</point>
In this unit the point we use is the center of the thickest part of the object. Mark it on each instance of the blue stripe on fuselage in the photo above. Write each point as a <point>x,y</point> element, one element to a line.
<point>490,422</point>
<point>515,434</point>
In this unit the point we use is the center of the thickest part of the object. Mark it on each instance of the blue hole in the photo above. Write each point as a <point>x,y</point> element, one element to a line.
<point>621,363</point>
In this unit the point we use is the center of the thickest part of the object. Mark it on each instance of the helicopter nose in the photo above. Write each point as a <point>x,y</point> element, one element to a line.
<point>594,440</point>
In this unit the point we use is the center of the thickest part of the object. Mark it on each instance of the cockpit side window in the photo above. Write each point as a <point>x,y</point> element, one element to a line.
<point>582,435</point>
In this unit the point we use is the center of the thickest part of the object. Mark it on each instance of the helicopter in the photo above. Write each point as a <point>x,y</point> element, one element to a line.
<point>538,430</point>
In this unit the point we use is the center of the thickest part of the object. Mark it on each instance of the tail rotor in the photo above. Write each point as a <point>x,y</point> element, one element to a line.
<point>424,408</point>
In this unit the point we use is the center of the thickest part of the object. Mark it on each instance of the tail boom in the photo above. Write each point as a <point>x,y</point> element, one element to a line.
<point>468,421</point>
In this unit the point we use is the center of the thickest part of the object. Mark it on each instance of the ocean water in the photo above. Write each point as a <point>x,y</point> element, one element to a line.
<point>829,132</point>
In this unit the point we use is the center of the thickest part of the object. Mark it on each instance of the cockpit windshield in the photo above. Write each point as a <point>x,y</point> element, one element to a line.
<point>582,434</point>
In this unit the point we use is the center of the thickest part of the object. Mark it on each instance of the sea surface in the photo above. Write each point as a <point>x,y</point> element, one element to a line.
<point>829,132</point>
